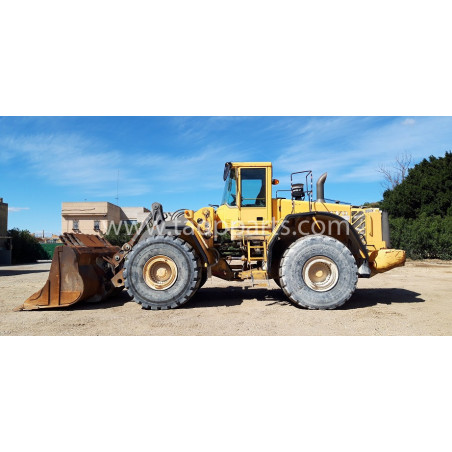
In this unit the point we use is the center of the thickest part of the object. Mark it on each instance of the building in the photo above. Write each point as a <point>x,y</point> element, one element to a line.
<point>96,217</point>
<point>134,215</point>
<point>53,238</point>
<point>5,242</point>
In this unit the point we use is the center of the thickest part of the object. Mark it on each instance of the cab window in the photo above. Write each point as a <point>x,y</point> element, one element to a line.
<point>230,189</point>
<point>253,192</point>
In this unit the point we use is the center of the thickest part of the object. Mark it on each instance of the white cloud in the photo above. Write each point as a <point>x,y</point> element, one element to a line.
<point>17,209</point>
<point>199,170</point>
<point>352,149</point>
<point>71,160</point>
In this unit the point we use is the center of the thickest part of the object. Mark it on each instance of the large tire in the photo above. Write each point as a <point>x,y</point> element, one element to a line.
<point>185,270</point>
<point>318,272</point>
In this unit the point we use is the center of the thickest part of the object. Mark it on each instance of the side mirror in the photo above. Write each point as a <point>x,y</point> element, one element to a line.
<point>227,168</point>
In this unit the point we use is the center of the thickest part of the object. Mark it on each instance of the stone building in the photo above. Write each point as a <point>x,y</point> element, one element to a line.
<point>5,251</point>
<point>96,217</point>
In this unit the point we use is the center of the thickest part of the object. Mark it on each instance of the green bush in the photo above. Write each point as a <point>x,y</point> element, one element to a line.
<point>426,237</point>
<point>26,249</point>
<point>427,189</point>
<point>49,248</point>
<point>420,210</point>
<point>121,236</point>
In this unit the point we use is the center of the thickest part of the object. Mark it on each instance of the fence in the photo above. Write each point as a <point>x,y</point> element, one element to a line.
<point>49,248</point>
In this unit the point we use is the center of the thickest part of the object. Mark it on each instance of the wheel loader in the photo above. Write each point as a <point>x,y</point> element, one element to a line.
<point>314,249</point>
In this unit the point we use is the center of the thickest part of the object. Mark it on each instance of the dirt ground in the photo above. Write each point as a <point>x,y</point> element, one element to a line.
<point>413,300</point>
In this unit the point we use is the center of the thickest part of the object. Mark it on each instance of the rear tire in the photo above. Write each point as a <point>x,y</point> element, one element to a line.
<point>162,272</point>
<point>318,272</point>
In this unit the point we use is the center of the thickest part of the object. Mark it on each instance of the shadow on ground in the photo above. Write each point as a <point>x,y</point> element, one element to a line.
<point>210,297</point>
<point>117,300</point>
<point>364,298</point>
<point>16,272</point>
<point>233,296</point>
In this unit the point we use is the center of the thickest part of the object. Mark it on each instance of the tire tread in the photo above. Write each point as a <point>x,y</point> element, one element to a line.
<point>290,251</point>
<point>194,285</point>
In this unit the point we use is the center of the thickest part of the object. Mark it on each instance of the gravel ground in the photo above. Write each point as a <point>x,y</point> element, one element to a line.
<point>413,300</point>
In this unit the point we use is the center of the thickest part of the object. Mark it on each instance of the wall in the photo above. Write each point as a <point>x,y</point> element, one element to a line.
<point>104,212</point>
<point>5,254</point>
<point>3,218</point>
<point>86,213</point>
<point>138,214</point>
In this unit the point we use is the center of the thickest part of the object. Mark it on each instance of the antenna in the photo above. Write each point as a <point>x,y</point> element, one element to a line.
<point>117,190</point>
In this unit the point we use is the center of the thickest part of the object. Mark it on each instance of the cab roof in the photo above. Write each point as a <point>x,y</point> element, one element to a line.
<point>258,164</point>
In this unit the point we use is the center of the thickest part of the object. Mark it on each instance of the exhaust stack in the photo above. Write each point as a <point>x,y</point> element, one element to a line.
<point>320,188</point>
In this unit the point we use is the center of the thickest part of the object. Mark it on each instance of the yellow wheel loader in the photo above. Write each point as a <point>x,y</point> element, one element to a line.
<point>315,250</point>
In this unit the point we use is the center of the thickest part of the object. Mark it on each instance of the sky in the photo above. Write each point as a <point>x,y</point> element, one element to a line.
<point>178,161</point>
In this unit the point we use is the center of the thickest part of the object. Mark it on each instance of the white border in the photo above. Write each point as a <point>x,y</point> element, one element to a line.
<point>217,58</point>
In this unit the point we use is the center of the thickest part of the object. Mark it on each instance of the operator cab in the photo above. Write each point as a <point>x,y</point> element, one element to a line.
<point>252,182</point>
<point>247,195</point>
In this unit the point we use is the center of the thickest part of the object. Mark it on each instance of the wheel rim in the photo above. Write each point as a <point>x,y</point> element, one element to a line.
<point>320,273</point>
<point>160,272</point>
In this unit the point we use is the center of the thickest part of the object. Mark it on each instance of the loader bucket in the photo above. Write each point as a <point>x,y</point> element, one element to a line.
<point>79,272</point>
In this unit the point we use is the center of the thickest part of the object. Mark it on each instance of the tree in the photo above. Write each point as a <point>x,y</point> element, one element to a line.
<point>118,235</point>
<point>25,248</point>
<point>374,205</point>
<point>427,188</point>
<point>424,237</point>
<point>420,210</point>
<point>397,173</point>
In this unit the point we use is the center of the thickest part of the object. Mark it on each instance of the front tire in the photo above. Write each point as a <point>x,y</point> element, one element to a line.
<point>318,272</point>
<point>162,272</point>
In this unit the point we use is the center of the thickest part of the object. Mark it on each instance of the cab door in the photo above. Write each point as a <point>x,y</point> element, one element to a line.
<point>254,197</point>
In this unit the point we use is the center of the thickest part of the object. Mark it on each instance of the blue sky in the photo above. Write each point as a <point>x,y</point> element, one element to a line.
<point>179,161</point>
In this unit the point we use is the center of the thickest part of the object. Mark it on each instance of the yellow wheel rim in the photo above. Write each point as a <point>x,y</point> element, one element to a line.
<point>160,272</point>
<point>320,273</point>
